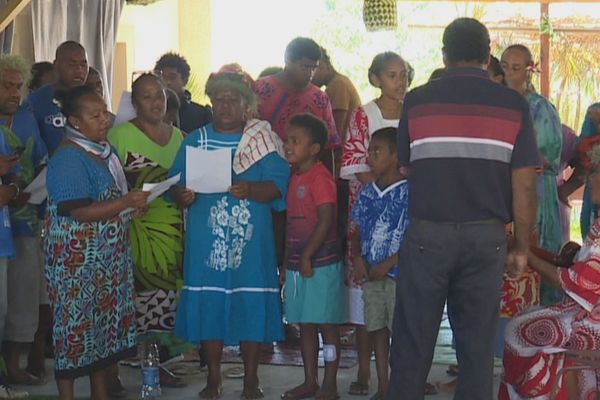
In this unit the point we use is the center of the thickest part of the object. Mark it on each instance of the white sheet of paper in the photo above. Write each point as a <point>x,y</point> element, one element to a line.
<point>156,189</point>
<point>37,188</point>
<point>208,171</point>
<point>126,110</point>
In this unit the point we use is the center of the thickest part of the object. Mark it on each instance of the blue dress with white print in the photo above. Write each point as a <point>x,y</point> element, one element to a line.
<point>230,285</point>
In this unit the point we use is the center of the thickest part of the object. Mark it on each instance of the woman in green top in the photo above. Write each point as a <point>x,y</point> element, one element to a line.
<point>147,147</point>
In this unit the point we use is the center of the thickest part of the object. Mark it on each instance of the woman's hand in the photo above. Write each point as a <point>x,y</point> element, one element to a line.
<point>240,190</point>
<point>7,163</point>
<point>183,196</point>
<point>135,199</point>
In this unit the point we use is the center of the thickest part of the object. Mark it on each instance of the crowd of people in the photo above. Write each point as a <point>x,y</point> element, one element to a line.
<point>376,214</point>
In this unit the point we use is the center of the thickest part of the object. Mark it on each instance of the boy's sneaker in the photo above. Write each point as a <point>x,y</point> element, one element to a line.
<point>8,392</point>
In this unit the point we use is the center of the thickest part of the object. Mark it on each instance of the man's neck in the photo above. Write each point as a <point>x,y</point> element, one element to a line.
<point>387,180</point>
<point>467,64</point>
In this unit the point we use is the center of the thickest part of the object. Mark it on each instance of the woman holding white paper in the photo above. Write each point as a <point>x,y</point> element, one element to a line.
<point>230,291</point>
<point>147,146</point>
<point>86,247</point>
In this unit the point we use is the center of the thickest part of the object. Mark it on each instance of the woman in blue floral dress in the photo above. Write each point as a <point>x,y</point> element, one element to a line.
<point>87,252</point>
<point>230,292</point>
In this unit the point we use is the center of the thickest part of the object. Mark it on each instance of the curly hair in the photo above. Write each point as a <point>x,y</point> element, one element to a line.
<point>175,61</point>
<point>14,63</point>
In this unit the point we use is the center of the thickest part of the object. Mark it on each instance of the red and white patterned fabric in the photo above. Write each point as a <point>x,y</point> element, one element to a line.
<point>363,122</point>
<point>257,141</point>
<point>536,340</point>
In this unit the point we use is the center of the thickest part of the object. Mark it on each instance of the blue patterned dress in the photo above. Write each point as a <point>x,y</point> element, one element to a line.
<point>588,209</point>
<point>230,285</point>
<point>88,269</point>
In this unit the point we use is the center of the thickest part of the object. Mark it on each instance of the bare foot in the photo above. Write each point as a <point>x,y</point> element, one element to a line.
<point>252,393</point>
<point>304,391</point>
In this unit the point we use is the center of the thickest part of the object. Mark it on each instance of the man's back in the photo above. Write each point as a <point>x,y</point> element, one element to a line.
<point>461,135</point>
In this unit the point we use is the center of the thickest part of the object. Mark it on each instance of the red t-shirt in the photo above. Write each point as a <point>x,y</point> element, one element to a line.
<point>305,193</point>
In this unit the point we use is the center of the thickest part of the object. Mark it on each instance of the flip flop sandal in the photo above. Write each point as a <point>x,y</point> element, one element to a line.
<point>376,396</point>
<point>260,392</point>
<point>216,397</point>
<point>30,380</point>
<point>301,396</point>
<point>358,389</point>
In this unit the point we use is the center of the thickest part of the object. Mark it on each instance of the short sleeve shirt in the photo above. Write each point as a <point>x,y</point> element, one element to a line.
<point>306,192</point>
<point>382,218</point>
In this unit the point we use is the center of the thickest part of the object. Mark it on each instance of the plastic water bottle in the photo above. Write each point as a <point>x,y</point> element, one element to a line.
<point>150,374</point>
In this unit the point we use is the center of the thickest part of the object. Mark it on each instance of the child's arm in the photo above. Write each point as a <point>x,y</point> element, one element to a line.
<point>359,265</point>
<point>325,220</point>
<point>261,192</point>
<point>379,271</point>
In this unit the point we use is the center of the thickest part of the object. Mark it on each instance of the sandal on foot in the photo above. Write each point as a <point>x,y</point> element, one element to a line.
<point>25,378</point>
<point>299,396</point>
<point>259,395</point>
<point>430,389</point>
<point>377,396</point>
<point>358,388</point>
<point>204,396</point>
<point>452,370</point>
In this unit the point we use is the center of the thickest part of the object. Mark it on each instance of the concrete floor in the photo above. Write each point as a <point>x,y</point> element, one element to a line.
<point>274,380</point>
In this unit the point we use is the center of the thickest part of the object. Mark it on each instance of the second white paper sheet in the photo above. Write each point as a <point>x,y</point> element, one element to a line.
<point>207,171</point>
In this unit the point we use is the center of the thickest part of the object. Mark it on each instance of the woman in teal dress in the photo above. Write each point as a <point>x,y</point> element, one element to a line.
<point>88,258</point>
<point>517,63</point>
<point>230,289</point>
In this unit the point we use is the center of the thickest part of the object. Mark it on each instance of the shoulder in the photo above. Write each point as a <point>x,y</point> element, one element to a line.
<point>122,132</point>
<point>43,94</point>
<point>320,175</point>
<point>265,86</point>
<point>24,120</point>
<point>67,158</point>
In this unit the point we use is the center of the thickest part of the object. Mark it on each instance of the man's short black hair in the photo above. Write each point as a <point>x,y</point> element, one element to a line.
<point>388,135</point>
<point>302,47</point>
<point>175,61</point>
<point>316,129</point>
<point>466,39</point>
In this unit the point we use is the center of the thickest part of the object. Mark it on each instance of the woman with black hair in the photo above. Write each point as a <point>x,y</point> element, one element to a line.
<point>88,259</point>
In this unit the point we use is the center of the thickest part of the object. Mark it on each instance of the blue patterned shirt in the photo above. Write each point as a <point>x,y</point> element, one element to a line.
<point>382,218</point>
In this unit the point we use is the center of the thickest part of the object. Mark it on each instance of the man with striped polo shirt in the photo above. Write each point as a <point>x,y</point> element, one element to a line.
<point>471,152</point>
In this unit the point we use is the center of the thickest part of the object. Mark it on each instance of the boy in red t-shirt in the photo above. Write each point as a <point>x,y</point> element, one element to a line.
<point>312,264</point>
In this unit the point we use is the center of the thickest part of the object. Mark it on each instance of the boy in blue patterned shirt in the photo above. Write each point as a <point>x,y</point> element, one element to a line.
<point>381,218</point>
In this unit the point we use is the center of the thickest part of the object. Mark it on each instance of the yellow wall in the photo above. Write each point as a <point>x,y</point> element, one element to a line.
<point>146,32</point>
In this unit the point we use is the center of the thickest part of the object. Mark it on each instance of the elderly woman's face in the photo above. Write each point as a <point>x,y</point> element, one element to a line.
<point>514,64</point>
<point>150,100</point>
<point>229,109</point>
<point>92,119</point>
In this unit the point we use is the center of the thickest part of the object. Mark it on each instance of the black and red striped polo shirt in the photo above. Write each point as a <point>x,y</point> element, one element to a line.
<point>462,135</point>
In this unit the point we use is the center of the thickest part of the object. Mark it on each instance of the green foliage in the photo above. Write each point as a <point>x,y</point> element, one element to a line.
<point>575,56</point>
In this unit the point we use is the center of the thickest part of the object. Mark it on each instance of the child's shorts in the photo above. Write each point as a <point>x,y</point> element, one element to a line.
<point>380,298</point>
<point>315,300</point>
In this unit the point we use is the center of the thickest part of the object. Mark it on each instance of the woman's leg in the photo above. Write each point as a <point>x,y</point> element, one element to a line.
<point>213,350</point>
<point>572,385</point>
<point>250,354</point>
<point>309,346</point>
<point>65,389</point>
<point>381,341</point>
<point>98,384</point>
<point>331,337</point>
<point>37,354</point>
